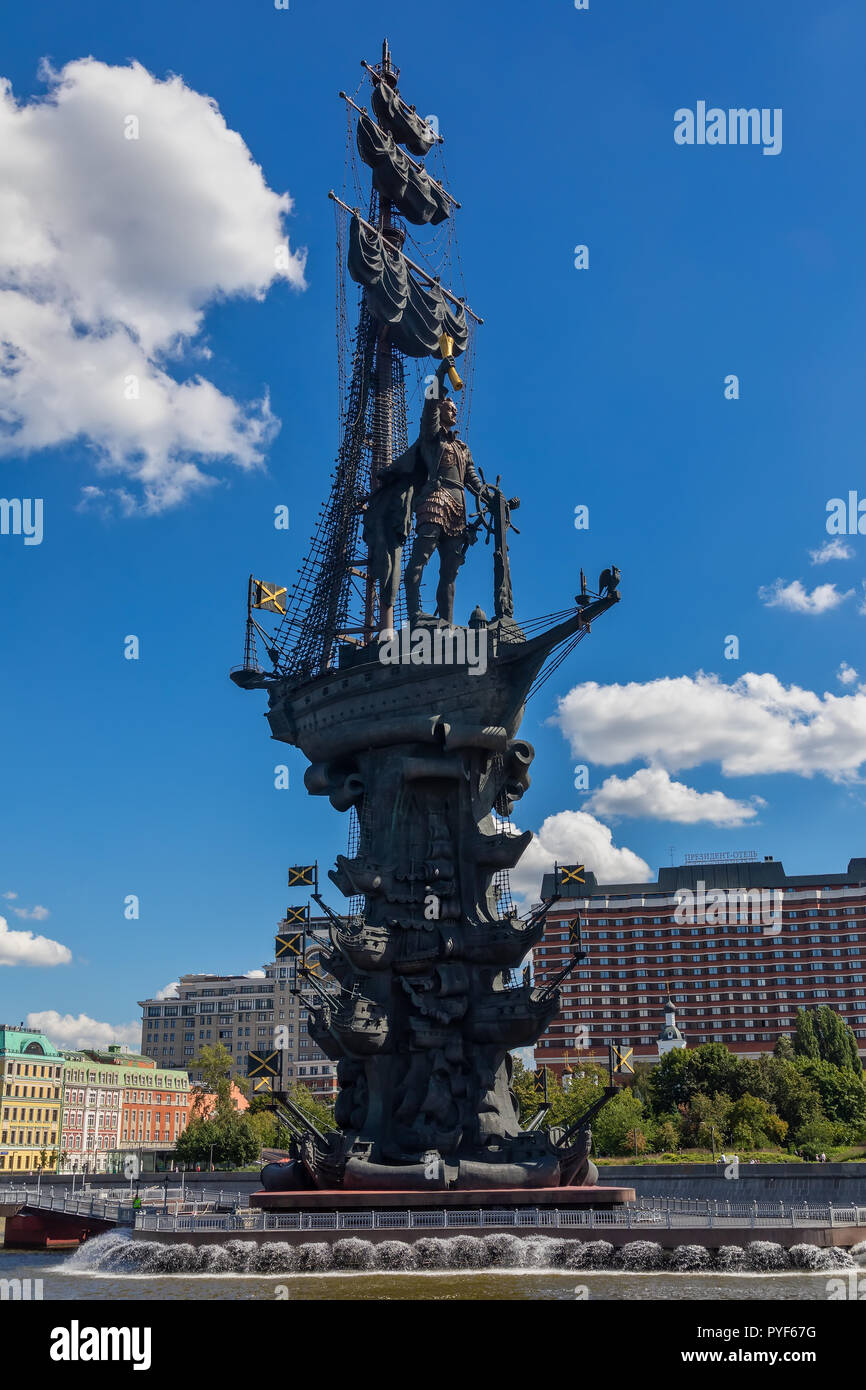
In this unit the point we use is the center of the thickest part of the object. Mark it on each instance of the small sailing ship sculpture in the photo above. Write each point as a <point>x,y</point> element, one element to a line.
<point>416,740</point>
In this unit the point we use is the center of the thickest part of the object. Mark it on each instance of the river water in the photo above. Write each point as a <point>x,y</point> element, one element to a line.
<point>86,1275</point>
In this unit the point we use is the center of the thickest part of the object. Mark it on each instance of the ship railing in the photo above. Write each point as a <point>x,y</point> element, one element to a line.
<point>727,1214</point>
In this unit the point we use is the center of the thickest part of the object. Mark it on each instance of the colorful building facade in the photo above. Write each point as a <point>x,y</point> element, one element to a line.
<point>118,1102</point>
<point>31,1099</point>
<point>156,1102</point>
<point>92,1106</point>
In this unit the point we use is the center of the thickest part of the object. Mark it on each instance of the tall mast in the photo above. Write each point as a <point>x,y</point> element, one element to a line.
<point>404,313</point>
<point>383,383</point>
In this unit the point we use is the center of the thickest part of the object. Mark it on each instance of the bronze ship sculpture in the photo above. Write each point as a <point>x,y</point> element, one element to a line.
<point>411,725</point>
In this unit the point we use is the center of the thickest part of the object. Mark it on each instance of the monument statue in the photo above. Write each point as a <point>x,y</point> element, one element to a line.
<point>439,469</point>
<point>426,989</point>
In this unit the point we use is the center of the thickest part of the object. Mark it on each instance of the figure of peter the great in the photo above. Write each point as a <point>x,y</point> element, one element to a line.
<point>429,480</point>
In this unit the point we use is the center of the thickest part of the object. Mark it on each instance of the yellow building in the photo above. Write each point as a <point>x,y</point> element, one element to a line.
<point>31,1092</point>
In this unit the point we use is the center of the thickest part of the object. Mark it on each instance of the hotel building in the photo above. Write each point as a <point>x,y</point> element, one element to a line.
<point>740,946</point>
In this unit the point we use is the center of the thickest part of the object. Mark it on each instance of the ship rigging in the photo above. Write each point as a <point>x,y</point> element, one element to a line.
<point>409,310</point>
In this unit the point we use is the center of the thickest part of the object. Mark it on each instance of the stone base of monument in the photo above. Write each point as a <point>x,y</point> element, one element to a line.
<point>341,1200</point>
<point>487,1199</point>
<point>338,1214</point>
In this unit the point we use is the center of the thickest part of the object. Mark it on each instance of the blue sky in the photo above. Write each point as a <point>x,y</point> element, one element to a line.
<point>602,387</point>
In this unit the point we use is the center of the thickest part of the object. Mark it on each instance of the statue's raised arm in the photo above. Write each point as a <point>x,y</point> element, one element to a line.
<point>447,469</point>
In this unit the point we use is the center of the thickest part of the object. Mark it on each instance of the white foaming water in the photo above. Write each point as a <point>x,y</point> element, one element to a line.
<point>118,1254</point>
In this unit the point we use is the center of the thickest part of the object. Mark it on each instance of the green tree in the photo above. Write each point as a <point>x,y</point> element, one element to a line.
<point>753,1077</point>
<point>672,1082</point>
<point>617,1123</point>
<point>266,1129</point>
<point>715,1069</point>
<point>842,1093</point>
<point>586,1086</point>
<point>215,1063</point>
<point>805,1041</point>
<point>680,1075</point>
<point>319,1111</point>
<point>794,1096</point>
<point>666,1136</point>
<point>753,1124</point>
<point>836,1040</point>
<point>817,1136</point>
<point>231,1142</point>
<point>703,1115</point>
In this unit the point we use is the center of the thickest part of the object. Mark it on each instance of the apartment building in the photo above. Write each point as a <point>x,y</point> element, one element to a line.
<point>256,1012</point>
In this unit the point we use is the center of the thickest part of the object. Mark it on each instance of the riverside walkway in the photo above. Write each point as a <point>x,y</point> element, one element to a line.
<point>720,1223</point>
<point>166,1213</point>
<point>118,1206</point>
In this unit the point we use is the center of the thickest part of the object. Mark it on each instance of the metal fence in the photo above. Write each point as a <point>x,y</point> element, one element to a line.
<point>117,1204</point>
<point>727,1214</point>
<point>217,1209</point>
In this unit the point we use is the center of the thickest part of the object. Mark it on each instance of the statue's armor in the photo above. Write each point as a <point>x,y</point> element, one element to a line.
<point>441,501</point>
<point>428,481</point>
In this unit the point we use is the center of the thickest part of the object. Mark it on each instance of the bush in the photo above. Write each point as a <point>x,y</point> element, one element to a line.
<point>666,1136</point>
<point>819,1135</point>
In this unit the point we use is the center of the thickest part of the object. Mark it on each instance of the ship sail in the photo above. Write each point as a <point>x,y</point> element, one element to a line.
<point>400,120</point>
<point>417,315</point>
<point>398,179</point>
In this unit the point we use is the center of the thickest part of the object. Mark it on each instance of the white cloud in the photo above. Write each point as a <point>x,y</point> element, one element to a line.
<point>755,725</point>
<point>846,674</point>
<point>69,1030</point>
<point>168,991</point>
<point>10,896</point>
<point>32,914</point>
<point>651,793</point>
<point>796,599</point>
<point>111,249</point>
<point>254,974</point>
<point>23,948</point>
<point>575,837</point>
<point>831,550</point>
